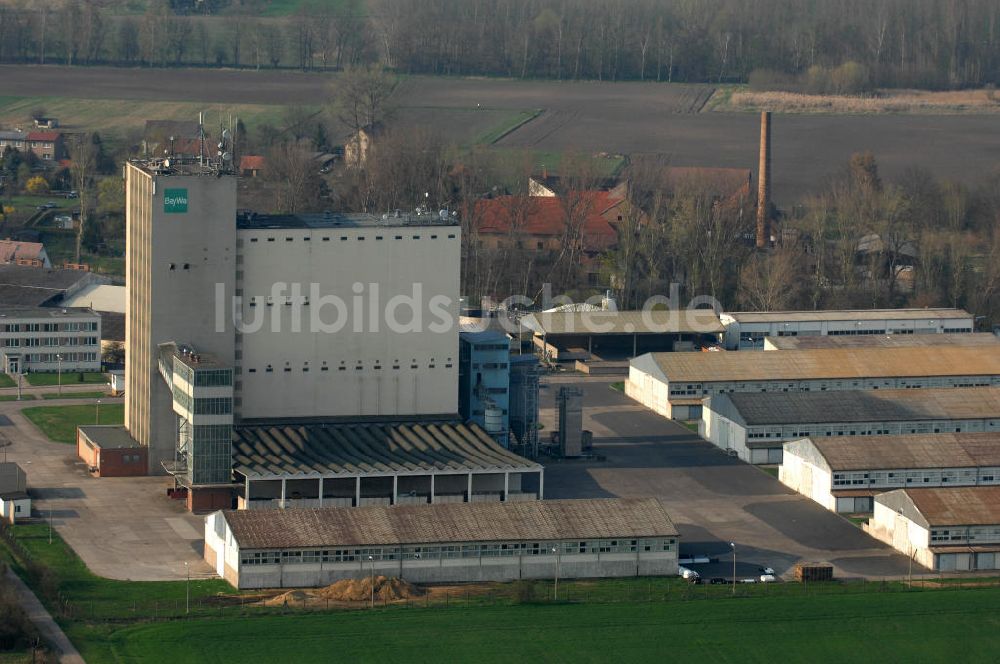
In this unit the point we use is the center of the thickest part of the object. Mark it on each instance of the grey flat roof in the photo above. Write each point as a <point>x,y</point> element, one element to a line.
<point>845,315</point>
<point>33,286</point>
<point>933,450</point>
<point>830,363</point>
<point>109,436</point>
<point>349,450</point>
<point>540,520</point>
<point>817,342</point>
<point>45,312</point>
<point>955,403</point>
<point>329,220</point>
<point>691,321</point>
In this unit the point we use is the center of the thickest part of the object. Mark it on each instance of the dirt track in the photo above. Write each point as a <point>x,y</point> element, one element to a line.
<point>593,116</point>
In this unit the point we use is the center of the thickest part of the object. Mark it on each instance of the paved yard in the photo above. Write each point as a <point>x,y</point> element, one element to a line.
<point>123,528</point>
<point>713,499</point>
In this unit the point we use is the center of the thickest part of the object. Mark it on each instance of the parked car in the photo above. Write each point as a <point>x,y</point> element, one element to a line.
<point>767,578</point>
<point>718,580</point>
<point>46,206</point>
<point>765,570</point>
<point>750,580</point>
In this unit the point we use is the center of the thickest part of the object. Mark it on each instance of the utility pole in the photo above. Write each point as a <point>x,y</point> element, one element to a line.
<point>733,545</point>
<point>187,588</point>
<point>371,559</point>
<point>555,593</point>
<point>59,372</point>
<point>97,413</point>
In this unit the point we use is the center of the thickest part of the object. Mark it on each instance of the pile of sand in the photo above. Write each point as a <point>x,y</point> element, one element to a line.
<point>290,598</point>
<point>358,590</point>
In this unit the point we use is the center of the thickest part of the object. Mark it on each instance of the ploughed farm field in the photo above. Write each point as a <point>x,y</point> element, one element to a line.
<point>959,625</point>
<point>552,116</point>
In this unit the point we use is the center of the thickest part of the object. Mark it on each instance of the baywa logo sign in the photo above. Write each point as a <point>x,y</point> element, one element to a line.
<point>175,201</point>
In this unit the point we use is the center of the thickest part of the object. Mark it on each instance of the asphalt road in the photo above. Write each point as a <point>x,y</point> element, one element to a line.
<point>713,499</point>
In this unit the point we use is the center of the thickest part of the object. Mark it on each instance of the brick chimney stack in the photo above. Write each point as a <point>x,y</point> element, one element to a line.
<point>764,182</point>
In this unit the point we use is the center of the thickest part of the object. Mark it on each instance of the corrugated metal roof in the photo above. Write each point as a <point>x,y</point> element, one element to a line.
<point>882,341</point>
<point>698,321</point>
<point>934,450</point>
<point>832,363</point>
<point>369,449</point>
<point>846,315</point>
<point>958,506</point>
<point>954,403</point>
<point>542,520</point>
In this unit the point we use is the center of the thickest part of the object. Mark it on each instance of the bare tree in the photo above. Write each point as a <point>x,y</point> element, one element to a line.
<point>771,281</point>
<point>83,164</point>
<point>362,96</point>
<point>292,171</point>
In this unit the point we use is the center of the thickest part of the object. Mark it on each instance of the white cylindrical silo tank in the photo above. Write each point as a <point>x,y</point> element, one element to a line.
<point>494,420</point>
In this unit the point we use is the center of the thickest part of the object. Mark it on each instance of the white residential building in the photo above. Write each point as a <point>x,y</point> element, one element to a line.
<point>48,339</point>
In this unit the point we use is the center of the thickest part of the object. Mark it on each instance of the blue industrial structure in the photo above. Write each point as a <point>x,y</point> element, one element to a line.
<point>484,381</point>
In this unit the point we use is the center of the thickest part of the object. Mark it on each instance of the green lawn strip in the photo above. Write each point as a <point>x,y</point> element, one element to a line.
<point>73,395</point>
<point>6,381</point>
<point>510,123</point>
<point>288,7</point>
<point>13,397</point>
<point>19,657</point>
<point>92,597</point>
<point>940,625</point>
<point>68,378</point>
<point>59,423</point>
<point>692,426</point>
<point>770,470</point>
<point>618,387</point>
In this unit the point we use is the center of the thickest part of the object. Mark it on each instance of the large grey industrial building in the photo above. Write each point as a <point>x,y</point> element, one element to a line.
<point>882,341</point>
<point>240,326</point>
<point>674,384</point>
<point>745,330</point>
<point>953,529</point>
<point>754,426</point>
<point>844,473</point>
<point>446,543</point>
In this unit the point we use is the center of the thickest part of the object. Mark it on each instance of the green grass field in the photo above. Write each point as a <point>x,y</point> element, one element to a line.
<point>627,620</point>
<point>960,626</point>
<point>97,596</point>
<point>59,423</point>
<point>13,397</point>
<point>6,381</point>
<point>73,395</point>
<point>68,378</point>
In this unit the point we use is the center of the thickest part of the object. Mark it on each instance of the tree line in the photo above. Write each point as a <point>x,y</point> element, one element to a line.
<point>888,43</point>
